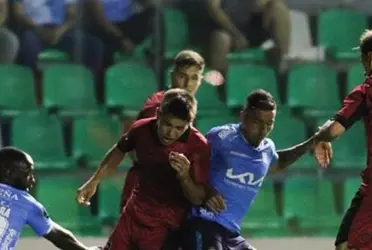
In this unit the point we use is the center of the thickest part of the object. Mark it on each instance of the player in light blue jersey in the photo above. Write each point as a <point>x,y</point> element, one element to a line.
<point>18,207</point>
<point>241,157</point>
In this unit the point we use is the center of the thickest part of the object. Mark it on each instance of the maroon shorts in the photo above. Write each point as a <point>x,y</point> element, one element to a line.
<point>130,181</point>
<point>360,235</point>
<point>131,234</point>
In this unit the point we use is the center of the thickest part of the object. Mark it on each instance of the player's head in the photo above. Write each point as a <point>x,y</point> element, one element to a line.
<point>177,111</point>
<point>366,51</point>
<point>187,71</point>
<point>258,116</point>
<point>16,168</point>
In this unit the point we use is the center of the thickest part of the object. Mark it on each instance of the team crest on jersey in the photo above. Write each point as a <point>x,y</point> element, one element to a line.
<point>223,133</point>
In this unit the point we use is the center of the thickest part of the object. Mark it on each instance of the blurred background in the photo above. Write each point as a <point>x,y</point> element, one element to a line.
<point>74,74</point>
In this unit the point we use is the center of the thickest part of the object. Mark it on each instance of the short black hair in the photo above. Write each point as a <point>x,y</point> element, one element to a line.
<point>13,160</point>
<point>260,99</point>
<point>179,103</point>
<point>366,42</point>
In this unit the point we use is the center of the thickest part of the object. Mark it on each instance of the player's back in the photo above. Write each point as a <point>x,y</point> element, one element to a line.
<point>237,171</point>
<point>17,208</point>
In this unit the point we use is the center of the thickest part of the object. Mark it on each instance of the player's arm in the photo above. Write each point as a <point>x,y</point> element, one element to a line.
<point>352,110</point>
<point>193,175</point>
<point>285,157</point>
<point>220,17</point>
<point>108,166</point>
<point>63,238</point>
<point>43,226</point>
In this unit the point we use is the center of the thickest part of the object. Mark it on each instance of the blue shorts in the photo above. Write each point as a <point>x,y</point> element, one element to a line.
<point>200,234</point>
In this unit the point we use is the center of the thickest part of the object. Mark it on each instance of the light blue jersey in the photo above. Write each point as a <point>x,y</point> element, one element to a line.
<point>237,172</point>
<point>18,208</point>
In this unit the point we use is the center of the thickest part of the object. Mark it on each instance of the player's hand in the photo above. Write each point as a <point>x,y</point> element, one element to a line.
<point>216,204</point>
<point>86,192</point>
<point>323,153</point>
<point>180,163</point>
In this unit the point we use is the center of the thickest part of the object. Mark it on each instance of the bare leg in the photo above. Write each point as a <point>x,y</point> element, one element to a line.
<point>219,47</point>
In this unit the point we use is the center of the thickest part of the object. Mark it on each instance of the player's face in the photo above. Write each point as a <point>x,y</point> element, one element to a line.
<point>366,60</point>
<point>170,128</point>
<point>188,78</point>
<point>257,124</point>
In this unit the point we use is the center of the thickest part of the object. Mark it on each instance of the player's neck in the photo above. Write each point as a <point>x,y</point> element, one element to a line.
<point>247,140</point>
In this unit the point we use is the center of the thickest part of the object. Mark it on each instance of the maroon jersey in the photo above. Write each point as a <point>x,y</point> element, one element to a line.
<point>157,196</point>
<point>151,104</point>
<point>358,106</point>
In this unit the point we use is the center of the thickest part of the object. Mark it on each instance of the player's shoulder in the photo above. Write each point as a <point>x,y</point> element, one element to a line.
<point>268,144</point>
<point>155,98</point>
<point>142,123</point>
<point>362,88</point>
<point>224,131</point>
<point>196,138</point>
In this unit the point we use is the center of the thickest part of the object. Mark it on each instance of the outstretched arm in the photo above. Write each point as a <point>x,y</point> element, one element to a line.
<point>64,239</point>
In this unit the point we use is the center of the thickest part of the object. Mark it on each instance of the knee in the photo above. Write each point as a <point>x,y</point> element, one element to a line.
<point>276,9</point>
<point>221,39</point>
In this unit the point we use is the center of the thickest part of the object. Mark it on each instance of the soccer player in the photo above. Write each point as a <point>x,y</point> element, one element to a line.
<point>355,231</point>
<point>173,163</point>
<point>18,207</point>
<point>187,73</point>
<point>241,157</point>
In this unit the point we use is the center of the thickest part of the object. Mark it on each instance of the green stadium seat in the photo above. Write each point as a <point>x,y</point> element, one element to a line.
<point>57,194</point>
<point>138,54</point>
<point>289,131</point>
<point>109,197</point>
<point>262,217</point>
<point>351,186</point>
<point>41,136</point>
<point>313,88</point>
<point>69,88</point>
<point>53,56</point>
<point>355,76</point>
<point>251,54</point>
<point>176,31</point>
<point>13,79</point>
<point>349,151</point>
<point>244,78</point>
<point>350,22</point>
<point>205,123</point>
<point>311,201</point>
<point>93,136</point>
<point>128,85</point>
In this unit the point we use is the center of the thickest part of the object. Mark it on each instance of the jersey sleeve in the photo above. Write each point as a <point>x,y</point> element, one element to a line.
<point>126,142</point>
<point>150,107</point>
<point>274,155</point>
<point>214,137</point>
<point>39,220</point>
<point>353,108</point>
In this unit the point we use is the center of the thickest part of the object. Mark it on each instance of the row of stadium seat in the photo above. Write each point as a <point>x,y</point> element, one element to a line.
<point>70,88</point>
<point>350,22</point>
<point>93,135</point>
<point>177,37</point>
<point>318,210</point>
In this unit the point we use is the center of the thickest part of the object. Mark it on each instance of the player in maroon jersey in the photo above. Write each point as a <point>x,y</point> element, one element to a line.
<point>173,158</point>
<point>187,73</point>
<point>355,231</point>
